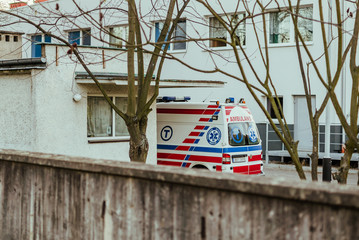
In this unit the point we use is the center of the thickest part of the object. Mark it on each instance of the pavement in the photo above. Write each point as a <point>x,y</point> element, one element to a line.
<point>288,171</point>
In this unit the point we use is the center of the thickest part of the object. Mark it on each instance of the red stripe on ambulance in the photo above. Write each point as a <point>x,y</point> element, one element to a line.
<point>255,169</point>
<point>204,119</point>
<point>189,140</point>
<point>183,148</point>
<point>169,163</point>
<point>194,134</point>
<point>171,156</point>
<point>197,158</point>
<point>187,111</point>
<point>213,106</point>
<point>254,158</point>
<point>241,169</point>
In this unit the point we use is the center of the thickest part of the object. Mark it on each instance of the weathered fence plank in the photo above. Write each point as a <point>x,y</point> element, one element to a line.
<point>58,197</point>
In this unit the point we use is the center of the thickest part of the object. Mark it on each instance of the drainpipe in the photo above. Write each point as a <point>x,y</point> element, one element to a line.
<point>267,151</point>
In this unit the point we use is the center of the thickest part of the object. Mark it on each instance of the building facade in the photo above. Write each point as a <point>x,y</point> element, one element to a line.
<point>210,53</point>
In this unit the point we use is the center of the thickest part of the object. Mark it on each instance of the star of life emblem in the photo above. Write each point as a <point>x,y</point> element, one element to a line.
<point>252,134</point>
<point>213,136</point>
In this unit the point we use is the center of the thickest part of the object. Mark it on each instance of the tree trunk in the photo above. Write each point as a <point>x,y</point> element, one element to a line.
<point>342,174</point>
<point>295,158</point>
<point>138,140</point>
<point>315,156</point>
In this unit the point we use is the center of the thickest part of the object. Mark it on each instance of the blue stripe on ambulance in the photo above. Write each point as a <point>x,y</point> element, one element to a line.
<point>213,150</point>
<point>186,159</point>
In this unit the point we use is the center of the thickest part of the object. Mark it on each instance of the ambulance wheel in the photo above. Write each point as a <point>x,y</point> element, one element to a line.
<point>200,167</point>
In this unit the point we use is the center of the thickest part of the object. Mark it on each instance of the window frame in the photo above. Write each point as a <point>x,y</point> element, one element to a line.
<point>112,138</point>
<point>291,28</point>
<point>123,43</point>
<point>171,47</point>
<point>81,39</point>
<point>228,36</point>
<point>37,48</point>
<point>270,109</point>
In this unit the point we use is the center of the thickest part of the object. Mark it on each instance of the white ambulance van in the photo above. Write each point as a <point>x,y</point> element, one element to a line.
<point>219,137</point>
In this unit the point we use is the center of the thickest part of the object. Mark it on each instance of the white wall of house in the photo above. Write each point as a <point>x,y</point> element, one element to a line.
<point>40,114</point>
<point>284,65</point>
<point>16,112</point>
<point>10,45</point>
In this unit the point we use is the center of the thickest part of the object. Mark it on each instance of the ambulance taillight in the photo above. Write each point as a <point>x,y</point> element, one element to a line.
<point>226,158</point>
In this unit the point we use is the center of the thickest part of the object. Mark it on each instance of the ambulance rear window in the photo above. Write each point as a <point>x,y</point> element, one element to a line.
<point>242,134</point>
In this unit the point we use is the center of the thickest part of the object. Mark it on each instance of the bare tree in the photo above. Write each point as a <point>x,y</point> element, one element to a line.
<point>52,22</point>
<point>258,78</point>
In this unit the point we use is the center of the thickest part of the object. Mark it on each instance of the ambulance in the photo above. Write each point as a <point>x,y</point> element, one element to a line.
<point>220,137</point>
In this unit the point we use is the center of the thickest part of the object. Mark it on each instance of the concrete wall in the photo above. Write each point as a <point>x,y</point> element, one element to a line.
<point>58,197</point>
<point>16,112</point>
<point>9,48</point>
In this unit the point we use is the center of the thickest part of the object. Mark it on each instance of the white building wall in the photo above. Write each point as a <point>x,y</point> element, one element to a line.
<point>38,112</point>
<point>16,112</point>
<point>284,67</point>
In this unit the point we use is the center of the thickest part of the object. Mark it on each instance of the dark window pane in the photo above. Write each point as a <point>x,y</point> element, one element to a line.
<point>158,29</point>
<point>180,34</point>
<point>36,48</point>
<point>74,37</point>
<point>86,37</point>
<point>270,108</point>
<point>120,127</point>
<point>47,38</point>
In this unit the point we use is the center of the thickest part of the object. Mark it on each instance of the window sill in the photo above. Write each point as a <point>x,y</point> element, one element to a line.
<point>227,48</point>
<point>177,51</point>
<point>277,45</point>
<point>108,139</point>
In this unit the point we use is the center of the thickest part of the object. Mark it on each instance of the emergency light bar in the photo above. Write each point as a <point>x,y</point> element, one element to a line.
<point>173,99</point>
<point>230,100</point>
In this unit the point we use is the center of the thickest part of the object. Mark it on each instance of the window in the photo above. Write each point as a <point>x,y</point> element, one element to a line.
<point>243,133</point>
<point>74,37</point>
<point>0,37</point>
<point>240,30</point>
<point>102,121</point>
<point>270,108</point>
<point>7,38</point>
<point>16,38</point>
<point>219,35</point>
<point>35,47</point>
<point>86,37</point>
<point>179,34</point>
<point>282,30</point>
<point>305,24</point>
<point>118,36</point>
<point>80,37</point>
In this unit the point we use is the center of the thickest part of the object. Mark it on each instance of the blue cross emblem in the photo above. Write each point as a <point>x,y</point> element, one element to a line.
<point>214,136</point>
